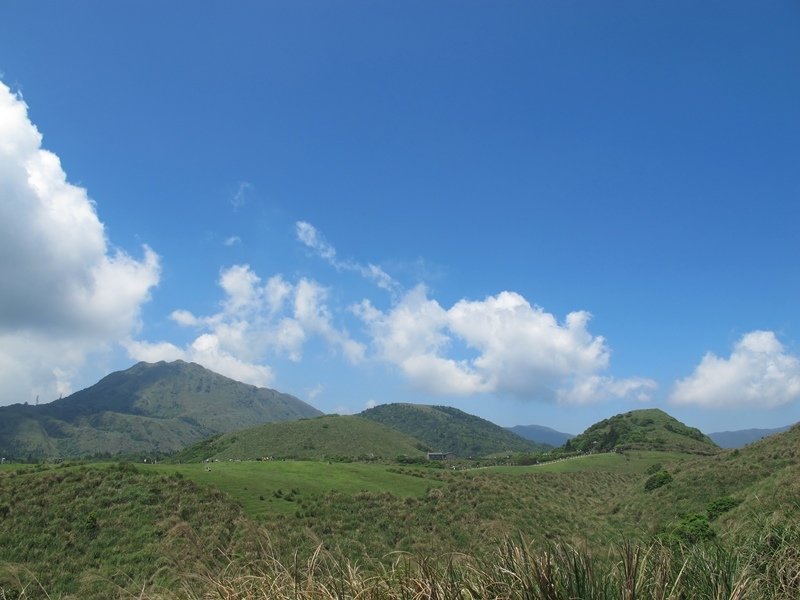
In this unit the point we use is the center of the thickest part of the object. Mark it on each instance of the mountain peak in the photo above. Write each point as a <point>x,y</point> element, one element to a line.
<point>161,406</point>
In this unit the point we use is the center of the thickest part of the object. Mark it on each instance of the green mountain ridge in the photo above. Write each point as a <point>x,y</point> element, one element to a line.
<point>161,407</point>
<point>326,437</point>
<point>645,429</point>
<point>447,429</point>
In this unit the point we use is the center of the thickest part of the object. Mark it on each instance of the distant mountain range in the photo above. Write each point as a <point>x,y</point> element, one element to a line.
<point>161,407</point>
<point>167,407</point>
<point>723,439</point>
<point>541,434</point>
<point>742,437</point>
<point>447,429</point>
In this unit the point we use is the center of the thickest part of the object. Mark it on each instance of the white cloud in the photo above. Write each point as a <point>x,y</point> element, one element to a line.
<point>522,347</point>
<point>516,348</point>
<point>315,391</point>
<point>759,372</point>
<point>205,350</point>
<point>232,240</point>
<point>240,197</point>
<point>66,294</point>
<point>590,389</point>
<point>370,404</point>
<point>256,321</point>
<point>311,237</point>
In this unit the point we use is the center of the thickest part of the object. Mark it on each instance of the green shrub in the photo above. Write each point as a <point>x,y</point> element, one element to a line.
<point>721,505</point>
<point>657,480</point>
<point>694,528</point>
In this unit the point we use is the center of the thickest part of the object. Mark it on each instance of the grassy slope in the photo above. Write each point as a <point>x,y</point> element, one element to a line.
<point>158,407</point>
<point>370,510</point>
<point>764,477</point>
<point>364,510</point>
<point>275,488</point>
<point>93,531</point>
<point>634,462</point>
<point>446,429</point>
<point>325,437</point>
<point>649,429</point>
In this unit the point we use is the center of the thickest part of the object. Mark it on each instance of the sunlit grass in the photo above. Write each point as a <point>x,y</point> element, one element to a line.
<point>269,487</point>
<point>618,462</point>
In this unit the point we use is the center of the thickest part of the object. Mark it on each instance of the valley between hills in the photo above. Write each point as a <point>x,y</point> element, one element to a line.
<point>169,481</point>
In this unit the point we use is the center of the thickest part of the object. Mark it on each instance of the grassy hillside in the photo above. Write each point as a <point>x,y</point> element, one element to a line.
<point>575,509</point>
<point>762,480</point>
<point>159,407</point>
<point>649,429</point>
<point>447,429</point>
<point>328,437</point>
<point>94,532</point>
<point>278,488</point>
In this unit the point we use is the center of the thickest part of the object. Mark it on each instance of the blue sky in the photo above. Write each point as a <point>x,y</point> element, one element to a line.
<point>538,212</point>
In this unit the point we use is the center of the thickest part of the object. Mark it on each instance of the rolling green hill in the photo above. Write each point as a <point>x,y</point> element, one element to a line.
<point>159,407</point>
<point>447,429</point>
<point>327,437</point>
<point>107,532</point>
<point>82,530</point>
<point>762,479</point>
<point>648,429</point>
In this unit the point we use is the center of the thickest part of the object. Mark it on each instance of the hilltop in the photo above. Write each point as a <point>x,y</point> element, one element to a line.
<point>447,429</point>
<point>159,407</point>
<point>647,429</point>
<point>327,437</point>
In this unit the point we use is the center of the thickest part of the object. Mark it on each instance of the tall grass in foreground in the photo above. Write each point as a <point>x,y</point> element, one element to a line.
<point>767,566</point>
<point>764,567</point>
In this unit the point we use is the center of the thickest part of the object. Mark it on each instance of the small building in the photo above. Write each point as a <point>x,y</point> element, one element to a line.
<point>441,456</point>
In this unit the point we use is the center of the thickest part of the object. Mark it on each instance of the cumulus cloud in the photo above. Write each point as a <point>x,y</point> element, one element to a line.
<point>313,239</point>
<point>66,293</point>
<point>256,320</point>
<point>515,348</point>
<point>759,372</point>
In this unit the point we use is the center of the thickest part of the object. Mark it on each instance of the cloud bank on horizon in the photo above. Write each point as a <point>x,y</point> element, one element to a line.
<point>68,294</point>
